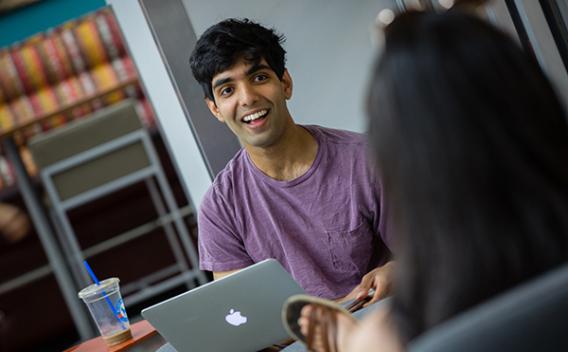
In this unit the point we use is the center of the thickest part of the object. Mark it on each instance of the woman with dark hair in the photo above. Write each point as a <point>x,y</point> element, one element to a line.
<point>471,142</point>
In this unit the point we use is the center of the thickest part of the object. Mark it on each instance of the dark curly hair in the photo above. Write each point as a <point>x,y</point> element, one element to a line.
<point>224,43</point>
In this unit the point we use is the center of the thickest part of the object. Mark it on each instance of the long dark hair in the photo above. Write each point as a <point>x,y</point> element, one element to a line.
<point>472,145</point>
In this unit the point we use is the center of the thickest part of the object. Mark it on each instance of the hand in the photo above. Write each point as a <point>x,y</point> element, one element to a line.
<point>14,224</point>
<point>379,279</point>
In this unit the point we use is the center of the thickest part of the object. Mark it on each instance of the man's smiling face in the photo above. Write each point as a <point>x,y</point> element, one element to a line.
<point>251,100</point>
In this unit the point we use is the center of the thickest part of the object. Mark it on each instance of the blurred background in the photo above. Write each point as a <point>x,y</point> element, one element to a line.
<point>107,146</point>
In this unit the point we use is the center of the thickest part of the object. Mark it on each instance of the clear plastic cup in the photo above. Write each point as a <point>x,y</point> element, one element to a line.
<point>107,309</point>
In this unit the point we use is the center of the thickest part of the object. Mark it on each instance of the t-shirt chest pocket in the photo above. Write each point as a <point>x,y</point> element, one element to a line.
<point>350,249</point>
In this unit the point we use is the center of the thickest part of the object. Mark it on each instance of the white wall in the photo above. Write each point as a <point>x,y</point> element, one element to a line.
<point>329,50</point>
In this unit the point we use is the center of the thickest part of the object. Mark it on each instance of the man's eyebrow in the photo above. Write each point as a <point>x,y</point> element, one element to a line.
<point>254,68</point>
<point>257,67</point>
<point>221,81</point>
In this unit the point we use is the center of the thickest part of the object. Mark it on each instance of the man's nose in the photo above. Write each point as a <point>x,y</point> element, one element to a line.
<point>248,95</point>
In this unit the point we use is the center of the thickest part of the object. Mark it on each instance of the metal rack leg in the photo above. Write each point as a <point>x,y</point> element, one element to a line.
<point>76,258</point>
<point>168,229</point>
<point>182,230</point>
<point>174,210</point>
<point>76,271</point>
<point>39,219</point>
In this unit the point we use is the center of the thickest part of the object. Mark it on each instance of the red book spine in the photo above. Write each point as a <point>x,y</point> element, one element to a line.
<point>73,49</point>
<point>29,66</point>
<point>115,31</point>
<point>106,36</point>
<point>57,64</point>
<point>9,80</point>
<point>2,94</point>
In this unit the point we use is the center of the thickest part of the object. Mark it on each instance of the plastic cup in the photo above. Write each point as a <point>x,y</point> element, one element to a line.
<point>107,309</point>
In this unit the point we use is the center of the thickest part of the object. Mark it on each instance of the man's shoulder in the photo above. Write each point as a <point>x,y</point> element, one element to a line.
<point>343,147</point>
<point>337,136</point>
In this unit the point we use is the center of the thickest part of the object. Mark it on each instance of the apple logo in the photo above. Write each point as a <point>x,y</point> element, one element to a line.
<point>235,318</point>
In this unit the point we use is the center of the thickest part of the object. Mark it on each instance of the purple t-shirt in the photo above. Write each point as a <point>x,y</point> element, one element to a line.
<point>325,227</point>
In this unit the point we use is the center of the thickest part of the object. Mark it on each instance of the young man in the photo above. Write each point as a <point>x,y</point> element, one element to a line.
<point>303,195</point>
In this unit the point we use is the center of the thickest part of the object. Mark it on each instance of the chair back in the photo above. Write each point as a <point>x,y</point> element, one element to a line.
<point>92,151</point>
<point>530,317</point>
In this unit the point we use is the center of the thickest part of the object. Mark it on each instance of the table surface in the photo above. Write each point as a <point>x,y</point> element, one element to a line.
<point>144,338</point>
<point>147,339</point>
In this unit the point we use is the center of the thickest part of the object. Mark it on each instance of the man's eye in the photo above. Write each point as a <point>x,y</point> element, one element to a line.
<point>260,77</point>
<point>225,91</point>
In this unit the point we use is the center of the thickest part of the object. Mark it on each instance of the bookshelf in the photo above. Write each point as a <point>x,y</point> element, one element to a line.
<point>68,108</point>
<point>10,189</point>
<point>53,78</point>
<point>60,75</point>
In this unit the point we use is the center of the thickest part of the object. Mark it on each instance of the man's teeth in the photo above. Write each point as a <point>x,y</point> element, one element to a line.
<point>255,116</point>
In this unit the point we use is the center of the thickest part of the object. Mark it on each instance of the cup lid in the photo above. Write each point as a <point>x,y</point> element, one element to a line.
<point>96,289</point>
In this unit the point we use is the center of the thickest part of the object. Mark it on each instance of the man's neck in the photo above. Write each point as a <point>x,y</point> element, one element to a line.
<point>290,158</point>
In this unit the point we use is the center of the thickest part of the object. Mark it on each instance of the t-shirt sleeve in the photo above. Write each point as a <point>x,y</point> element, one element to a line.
<point>221,248</point>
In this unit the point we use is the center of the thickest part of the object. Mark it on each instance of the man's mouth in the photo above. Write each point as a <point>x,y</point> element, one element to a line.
<point>255,117</point>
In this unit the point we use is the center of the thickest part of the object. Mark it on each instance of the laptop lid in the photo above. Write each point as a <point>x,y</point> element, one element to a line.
<point>240,312</point>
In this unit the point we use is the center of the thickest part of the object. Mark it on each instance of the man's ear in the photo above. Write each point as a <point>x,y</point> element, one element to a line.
<point>214,109</point>
<point>288,84</point>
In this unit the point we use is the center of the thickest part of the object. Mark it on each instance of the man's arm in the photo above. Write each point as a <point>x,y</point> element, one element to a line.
<point>221,248</point>
<point>221,274</point>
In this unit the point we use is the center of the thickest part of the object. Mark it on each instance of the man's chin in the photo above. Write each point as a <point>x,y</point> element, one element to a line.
<point>263,140</point>
<point>261,144</point>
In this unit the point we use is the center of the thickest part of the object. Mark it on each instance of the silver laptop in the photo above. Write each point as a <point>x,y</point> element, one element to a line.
<point>240,312</point>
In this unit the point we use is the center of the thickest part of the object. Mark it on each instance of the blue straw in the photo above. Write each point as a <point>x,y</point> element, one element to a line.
<point>96,281</point>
